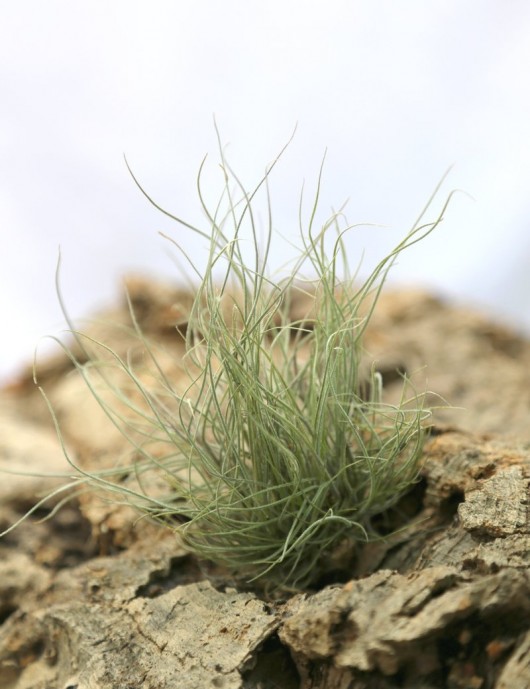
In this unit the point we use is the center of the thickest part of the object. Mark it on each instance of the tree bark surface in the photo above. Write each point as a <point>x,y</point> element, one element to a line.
<point>91,600</point>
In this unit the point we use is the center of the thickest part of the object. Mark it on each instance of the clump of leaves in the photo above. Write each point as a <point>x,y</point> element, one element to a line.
<point>280,450</point>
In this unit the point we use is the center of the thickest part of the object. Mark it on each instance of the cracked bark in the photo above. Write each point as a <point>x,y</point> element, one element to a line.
<point>89,601</point>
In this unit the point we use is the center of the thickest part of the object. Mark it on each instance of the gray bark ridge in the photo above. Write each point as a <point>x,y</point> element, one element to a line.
<point>106,625</point>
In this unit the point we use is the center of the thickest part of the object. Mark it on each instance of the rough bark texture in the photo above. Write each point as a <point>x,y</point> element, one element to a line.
<point>90,599</point>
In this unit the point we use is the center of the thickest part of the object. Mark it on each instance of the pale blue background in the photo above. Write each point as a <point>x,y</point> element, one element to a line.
<point>396,91</point>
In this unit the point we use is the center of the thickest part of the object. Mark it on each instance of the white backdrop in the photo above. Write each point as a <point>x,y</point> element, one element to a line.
<point>396,91</point>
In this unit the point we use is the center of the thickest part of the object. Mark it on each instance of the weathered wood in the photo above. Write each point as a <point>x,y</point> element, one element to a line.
<point>112,623</point>
<point>91,600</point>
<point>190,636</point>
<point>390,623</point>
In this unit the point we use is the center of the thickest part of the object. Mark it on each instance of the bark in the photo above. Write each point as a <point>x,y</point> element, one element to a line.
<point>89,599</point>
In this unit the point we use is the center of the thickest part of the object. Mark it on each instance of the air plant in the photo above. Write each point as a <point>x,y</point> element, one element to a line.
<point>279,450</point>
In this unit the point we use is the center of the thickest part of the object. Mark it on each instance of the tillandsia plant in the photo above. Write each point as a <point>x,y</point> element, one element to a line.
<point>280,450</point>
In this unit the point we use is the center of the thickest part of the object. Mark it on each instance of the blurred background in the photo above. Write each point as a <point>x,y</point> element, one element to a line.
<point>396,92</point>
